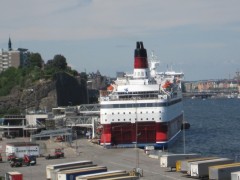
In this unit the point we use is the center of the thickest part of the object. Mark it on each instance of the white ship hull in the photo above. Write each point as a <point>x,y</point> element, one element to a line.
<point>142,109</point>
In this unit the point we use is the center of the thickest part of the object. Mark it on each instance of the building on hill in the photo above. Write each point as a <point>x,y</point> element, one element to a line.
<point>12,58</point>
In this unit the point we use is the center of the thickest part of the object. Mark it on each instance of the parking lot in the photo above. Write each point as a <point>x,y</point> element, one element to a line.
<point>82,149</point>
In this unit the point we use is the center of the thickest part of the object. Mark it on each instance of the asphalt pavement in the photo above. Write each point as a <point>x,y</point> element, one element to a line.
<point>114,159</point>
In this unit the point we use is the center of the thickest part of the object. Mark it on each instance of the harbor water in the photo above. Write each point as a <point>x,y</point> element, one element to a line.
<point>215,128</point>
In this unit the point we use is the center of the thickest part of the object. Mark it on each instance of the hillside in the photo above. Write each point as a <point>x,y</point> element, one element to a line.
<point>62,90</point>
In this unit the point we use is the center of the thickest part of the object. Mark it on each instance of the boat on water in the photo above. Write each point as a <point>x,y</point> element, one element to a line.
<point>143,108</point>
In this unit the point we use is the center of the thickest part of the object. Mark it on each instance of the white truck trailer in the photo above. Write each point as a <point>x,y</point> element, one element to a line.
<point>200,168</point>
<point>169,160</point>
<point>50,168</point>
<point>235,175</point>
<point>103,175</point>
<point>182,165</point>
<point>72,174</point>
<point>19,149</point>
<point>223,172</point>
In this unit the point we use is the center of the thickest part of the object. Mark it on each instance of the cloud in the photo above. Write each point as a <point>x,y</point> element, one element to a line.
<point>74,19</point>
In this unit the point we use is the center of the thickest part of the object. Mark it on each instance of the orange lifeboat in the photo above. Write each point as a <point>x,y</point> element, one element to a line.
<point>110,88</point>
<point>167,84</point>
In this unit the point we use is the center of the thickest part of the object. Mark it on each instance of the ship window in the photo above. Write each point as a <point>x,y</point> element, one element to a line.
<point>152,118</point>
<point>152,111</point>
<point>141,112</point>
<point>112,113</point>
<point>160,111</point>
<point>160,118</point>
<point>147,119</point>
<point>130,119</point>
<point>141,119</point>
<point>122,105</point>
<point>105,120</point>
<point>118,119</point>
<point>105,113</point>
<point>129,112</point>
<point>146,112</point>
<point>123,112</point>
<point>124,119</point>
<point>112,119</point>
<point>135,119</point>
<point>118,113</point>
<point>129,105</point>
<point>115,106</point>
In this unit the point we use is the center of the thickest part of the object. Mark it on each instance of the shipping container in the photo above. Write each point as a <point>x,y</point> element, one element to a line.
<point>19,149</point>
<point>182,165</point>
<point>104,175</point>
<point>223,172</point>
<point>122,178</point>
<point>54,173</point>
<point>200,168</point>
<point>71,174</point>
<point>50,168</point>
<point>13,176</point>
<point>169,160</point>
<point>235,175</point>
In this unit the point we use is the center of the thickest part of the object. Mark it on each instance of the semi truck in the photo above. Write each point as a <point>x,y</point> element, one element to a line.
<point>25,161</point>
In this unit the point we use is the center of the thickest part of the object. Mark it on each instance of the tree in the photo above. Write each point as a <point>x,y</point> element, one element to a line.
<point>35,60</point>
<point>60,62</point>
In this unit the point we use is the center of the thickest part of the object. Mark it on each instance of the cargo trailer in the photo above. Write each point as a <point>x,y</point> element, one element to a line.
<point>54,173</point>
<point>235,175</point>
<point>13,176</point>
<point>19,149</point>
<point>104,175</point>
<point>123,178</point>
<point>200,168</point>
<point>223,172</point>
<point>169,160</point>
<point>50,168</point>
<point>182,165</point>
<point>72,174</point>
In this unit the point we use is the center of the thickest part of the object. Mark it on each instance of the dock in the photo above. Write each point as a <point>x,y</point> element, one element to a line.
<point>125,159</point>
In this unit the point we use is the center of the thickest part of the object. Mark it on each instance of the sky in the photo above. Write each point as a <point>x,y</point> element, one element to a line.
<point>200,38</point>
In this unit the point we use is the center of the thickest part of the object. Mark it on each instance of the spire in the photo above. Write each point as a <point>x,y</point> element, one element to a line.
<point>9,44</point>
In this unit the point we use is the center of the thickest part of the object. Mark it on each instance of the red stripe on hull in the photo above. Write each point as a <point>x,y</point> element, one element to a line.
<point>148,132</point>
<point>106,136</point>
<point>162,130</point>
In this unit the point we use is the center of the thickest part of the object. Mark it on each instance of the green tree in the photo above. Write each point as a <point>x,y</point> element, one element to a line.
<point>60,62</point>
<point>35,60</point>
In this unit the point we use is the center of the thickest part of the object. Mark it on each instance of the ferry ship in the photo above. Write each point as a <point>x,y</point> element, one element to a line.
<point>143,108</point>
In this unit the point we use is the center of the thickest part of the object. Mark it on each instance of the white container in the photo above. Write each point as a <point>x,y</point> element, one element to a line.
<point>235,175</point>
<point>200,168</point>
<point>72,174</point>
<point>104,175</point>
<point>169,160</point>
<point>182,165</point>
<point>223,172</point>
<point>22,148</point>
<point>51,168</point>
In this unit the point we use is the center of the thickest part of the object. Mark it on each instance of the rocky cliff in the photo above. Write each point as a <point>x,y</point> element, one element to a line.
<point>63,90</point>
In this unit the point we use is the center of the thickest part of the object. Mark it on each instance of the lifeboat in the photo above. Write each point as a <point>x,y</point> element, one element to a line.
<point>167,84</point>
<point>110,88</point>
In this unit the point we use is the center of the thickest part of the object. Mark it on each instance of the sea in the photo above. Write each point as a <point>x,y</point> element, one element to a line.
<point>214,128</point>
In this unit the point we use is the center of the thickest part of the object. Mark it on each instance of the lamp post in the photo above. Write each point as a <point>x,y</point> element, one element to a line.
<point>136,129</point>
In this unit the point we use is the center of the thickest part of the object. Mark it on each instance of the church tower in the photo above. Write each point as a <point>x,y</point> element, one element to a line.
<point>9,44</point>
